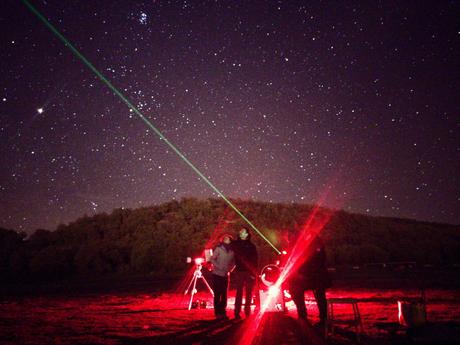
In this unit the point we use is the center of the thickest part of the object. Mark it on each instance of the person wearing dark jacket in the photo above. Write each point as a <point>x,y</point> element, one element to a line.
<point>245,272</point>
<point>311,275</point>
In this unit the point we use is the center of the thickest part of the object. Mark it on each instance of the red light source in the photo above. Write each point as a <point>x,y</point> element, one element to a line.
<point>270,275</point>
<point>273,291</point>
<point>198,261</point>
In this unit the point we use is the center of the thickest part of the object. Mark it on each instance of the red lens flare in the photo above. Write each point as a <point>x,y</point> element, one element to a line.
<point>299,253</point>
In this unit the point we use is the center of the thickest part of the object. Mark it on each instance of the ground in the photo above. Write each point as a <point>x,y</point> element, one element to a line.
<point>153,316</point>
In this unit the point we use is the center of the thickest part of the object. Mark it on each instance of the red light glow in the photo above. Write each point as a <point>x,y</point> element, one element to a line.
<point>301,251</point>
<point>274,291</point>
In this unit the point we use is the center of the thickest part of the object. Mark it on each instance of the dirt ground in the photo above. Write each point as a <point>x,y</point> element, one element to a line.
<point>163,317</point>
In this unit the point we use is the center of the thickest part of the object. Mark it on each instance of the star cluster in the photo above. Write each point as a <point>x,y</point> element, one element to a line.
<point>277,101</point>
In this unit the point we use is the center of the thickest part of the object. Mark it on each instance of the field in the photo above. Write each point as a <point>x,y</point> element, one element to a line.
<point>152,315</point>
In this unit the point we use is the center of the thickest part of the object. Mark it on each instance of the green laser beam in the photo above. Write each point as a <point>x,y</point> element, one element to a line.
<point>143,118</point>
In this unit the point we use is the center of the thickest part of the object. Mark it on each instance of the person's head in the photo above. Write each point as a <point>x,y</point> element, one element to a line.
<point>244,234</point>
<point>226,238</point>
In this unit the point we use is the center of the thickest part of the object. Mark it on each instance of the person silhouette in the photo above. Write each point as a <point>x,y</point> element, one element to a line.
<point>245,272</point>
<point>311,275</point>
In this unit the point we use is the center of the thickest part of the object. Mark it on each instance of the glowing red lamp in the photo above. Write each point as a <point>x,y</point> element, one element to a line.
<point>198,261</point>
<point>273,291</point>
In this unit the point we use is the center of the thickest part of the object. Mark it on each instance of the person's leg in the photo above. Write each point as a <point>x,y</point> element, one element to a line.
<point>224,295</point>
<point>248,299</point>
<point>239,282</point>
<point>297,294</point>
<point>320,297</point>
<point>217,294</point>
<point>256,288</point>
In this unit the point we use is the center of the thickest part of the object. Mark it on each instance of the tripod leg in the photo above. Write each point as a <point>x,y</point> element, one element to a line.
<point>193,292</point>
<point>209,288</point>
<point>190,284</point>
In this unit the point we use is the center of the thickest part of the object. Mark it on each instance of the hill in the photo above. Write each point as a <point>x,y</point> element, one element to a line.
<point>156,240</point>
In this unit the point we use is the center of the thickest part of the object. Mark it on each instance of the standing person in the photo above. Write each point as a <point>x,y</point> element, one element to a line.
<point>311,275</point>
<point>223,261</point>
<point>245,272</point>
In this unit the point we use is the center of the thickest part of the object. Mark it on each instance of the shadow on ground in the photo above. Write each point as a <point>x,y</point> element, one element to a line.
<point>272,329</point>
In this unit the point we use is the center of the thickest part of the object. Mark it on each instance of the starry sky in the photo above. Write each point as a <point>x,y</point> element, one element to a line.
<point>275,101</point>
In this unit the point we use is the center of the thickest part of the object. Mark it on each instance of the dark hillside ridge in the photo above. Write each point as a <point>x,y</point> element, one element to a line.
<point>156,240</point>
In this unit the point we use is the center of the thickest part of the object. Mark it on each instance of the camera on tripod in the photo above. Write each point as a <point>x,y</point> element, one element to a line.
<point>199,261</point>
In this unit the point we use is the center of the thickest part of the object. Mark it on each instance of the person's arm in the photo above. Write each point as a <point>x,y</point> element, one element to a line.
<point>323,258</point>
<point>232,264</point>
<point>255,260</point>
<point>215,256</point>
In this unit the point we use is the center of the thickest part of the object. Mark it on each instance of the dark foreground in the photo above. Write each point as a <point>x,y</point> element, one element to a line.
<point>163,318</point>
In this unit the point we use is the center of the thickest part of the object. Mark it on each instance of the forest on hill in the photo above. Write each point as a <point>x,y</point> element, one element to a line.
<point>156,240</point>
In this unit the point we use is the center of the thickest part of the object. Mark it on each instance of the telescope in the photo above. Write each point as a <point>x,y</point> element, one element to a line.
<point>271,295</point>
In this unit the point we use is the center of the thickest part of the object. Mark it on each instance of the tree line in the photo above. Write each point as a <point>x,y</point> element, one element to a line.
<point>156,240</point>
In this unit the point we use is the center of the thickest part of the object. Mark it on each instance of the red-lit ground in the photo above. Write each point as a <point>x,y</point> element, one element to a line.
<point>163,318</point>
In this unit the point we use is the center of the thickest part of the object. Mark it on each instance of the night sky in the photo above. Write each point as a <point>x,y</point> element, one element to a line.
<point>272,100</point>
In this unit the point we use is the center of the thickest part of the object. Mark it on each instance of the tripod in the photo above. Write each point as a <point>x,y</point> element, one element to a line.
<point>196,275</point>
